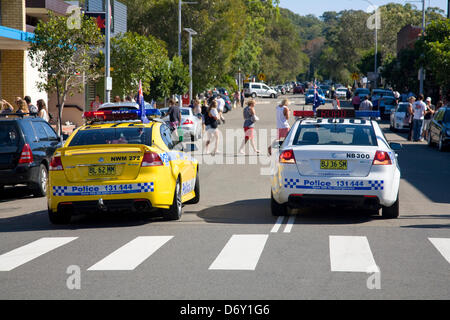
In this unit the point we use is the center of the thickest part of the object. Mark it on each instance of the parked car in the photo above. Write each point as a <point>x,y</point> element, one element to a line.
<point>222,91</point>
<point>385,105</point>
<point>228,105</point>
<point>326,90</point>
<point>397,117</point>
<point>282,89</point>
<point>309,96</point>
<point>362,92</point>
<point>439,132</point>
<point>341,93</point>
<point>27,144</point>
<point>258,89</point>
<point>190,124</point>
<point>298,89</point>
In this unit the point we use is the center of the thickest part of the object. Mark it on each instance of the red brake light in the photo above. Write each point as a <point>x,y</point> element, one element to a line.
<point>188,122</point>
<point>381,158</point>
<point>26,156</point>
<point>287,156</point>
<point>151,159</point>
<point>56,164</point>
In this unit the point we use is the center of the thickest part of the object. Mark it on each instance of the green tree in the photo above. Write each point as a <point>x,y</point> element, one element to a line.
<point>435,46</point>
<point>135,57</point>
<point>64,55</point>
<point>179,74</point>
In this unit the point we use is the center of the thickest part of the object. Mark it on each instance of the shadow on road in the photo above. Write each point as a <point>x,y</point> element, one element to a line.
<point>257,211</point>
<point>15,193</point>
<point>38,221</point>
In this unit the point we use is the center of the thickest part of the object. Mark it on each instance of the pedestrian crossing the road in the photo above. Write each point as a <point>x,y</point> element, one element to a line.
<point>242,252</point>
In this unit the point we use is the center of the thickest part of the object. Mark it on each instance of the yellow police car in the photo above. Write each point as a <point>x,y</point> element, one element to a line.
<point>117,162</point>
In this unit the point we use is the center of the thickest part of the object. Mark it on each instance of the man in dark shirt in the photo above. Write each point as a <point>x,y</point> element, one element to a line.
<point>174,113</point>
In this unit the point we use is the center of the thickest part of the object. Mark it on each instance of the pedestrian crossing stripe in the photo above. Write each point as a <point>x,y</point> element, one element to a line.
<point>17,257</point>
<point>242,252</point>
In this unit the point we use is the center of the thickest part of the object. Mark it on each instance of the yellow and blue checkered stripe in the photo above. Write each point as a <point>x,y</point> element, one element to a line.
<point>98,190</point>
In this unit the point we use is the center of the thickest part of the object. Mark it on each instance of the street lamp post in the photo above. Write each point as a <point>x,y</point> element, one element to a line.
<point>191,33</point>
<point>108,82</point>
<point>421,75</point>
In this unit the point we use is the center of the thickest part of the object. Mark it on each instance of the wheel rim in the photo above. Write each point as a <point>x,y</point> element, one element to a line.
<point>44,179</point>
<point>178,199</point>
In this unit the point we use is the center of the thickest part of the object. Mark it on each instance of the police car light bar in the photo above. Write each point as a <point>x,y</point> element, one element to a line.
<point>113,115</point>
<point>336,113</point>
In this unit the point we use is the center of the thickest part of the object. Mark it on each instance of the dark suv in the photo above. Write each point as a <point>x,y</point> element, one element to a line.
<point>27,144</point>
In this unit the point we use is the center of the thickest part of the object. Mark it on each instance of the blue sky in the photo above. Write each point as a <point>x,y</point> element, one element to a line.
<point>317,7</point>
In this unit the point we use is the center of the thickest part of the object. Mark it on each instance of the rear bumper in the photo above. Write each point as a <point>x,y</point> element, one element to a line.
<point>19,175</point>
<point>120,205</point>
<point>308,200</point>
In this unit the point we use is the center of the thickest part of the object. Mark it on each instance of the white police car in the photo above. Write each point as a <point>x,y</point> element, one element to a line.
<point>336,159</point>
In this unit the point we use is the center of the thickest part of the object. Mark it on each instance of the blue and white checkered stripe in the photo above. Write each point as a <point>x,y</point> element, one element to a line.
<point>146,187</point>
<point>376,184</point>
<point>291,183</point>
<point>336,184</point>
<point>94,190</point>
<point>59,191</point>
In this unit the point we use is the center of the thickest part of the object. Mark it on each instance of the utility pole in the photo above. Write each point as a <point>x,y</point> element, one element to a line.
<point>191,33</point>
<point>108,80</point>
<point>421,75</point>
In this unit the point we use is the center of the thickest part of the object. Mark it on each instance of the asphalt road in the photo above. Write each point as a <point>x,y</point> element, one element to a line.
<point>229,246</point>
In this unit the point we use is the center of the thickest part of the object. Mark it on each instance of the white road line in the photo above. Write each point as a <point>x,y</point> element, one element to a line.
<point>443,246</point>
<point>26,253</point>
<point>351,254</point>
<point>132,254</point>
<point>241,252</point>
<point>289,224</point>
<point>277,224</point>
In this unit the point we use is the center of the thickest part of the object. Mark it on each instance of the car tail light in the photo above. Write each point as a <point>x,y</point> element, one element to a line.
<point>381,158</point>
<point>26,156</point>
<point>56,164</point>
<point>287,156</point>
<point>151,159</point>
<point>188,122</point>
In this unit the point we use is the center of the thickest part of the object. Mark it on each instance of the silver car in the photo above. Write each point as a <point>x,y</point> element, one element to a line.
<point>397,121</point>
<point>190,123</point>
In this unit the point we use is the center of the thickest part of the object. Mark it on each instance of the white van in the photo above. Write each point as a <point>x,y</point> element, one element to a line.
<point>259,89</point>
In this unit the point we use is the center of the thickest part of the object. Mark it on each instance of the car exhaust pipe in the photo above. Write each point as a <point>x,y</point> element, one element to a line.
<point>101,206</point>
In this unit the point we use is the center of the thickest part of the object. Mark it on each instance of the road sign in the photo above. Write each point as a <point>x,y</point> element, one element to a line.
<point>355,76</point>
<point>262,77</point>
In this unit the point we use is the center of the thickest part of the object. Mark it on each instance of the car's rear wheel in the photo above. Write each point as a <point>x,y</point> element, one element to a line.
<point>391,212</point>
<point>253,95</point>
<point>441,146</point>
<point>272,96</point>
<point>63,216</point>
<point>276,208</point>
<point>429,140</point>
<point>175,210</point>
<point>39,187</point>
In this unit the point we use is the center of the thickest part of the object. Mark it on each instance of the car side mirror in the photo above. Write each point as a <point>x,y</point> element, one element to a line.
<point>395,146</point>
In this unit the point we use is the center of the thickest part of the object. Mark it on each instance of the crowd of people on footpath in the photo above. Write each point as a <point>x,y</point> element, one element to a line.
<point>25,107</point>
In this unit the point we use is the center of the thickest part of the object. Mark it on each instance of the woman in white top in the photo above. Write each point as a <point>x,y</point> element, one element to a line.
<point>282,119</point>
<point>42,110</point>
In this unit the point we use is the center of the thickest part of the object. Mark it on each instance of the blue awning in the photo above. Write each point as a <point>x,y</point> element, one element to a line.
<point>15,34</point>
